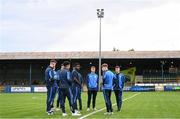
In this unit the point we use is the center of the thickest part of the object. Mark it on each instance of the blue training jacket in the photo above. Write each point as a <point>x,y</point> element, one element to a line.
<point>108,80</point>
<point>118,82</point>
<point>50,76</point>
<point>92,81</point>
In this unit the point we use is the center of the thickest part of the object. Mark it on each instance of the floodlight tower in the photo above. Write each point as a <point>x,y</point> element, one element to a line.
<point>100,15</point>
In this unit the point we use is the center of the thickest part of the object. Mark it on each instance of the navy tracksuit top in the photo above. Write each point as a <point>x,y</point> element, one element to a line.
<point>50,76</point>
<point>64,77</point>
<point>118,81</point>
<point>76,76</point>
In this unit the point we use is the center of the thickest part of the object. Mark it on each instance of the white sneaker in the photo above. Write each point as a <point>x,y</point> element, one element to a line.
<point>76,114</point>
<point>88,109</point>
<point>111,113</point>
<point>50,113</point>
<point>94,109</point>
<point>64,114</point>
<point>76,111</point>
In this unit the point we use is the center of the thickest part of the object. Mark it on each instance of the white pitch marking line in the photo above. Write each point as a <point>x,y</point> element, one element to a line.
<point>87,115</point>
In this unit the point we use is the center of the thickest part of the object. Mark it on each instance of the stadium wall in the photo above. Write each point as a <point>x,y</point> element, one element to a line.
<point>136,88</point>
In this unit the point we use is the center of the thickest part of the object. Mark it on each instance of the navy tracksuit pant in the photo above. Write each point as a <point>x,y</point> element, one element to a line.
<point>79,100</point>
<point>54,96</point>
<point>59,99</point>
<point>76,96</point>
<point>66,92</point>
<point>51,91</point>
<point>118,95</point>
<point>107,98</point>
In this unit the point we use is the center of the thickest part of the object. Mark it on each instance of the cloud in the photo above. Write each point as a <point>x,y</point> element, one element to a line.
<point>154,28</point>
<point>151,29</point>
<point>58,25</point>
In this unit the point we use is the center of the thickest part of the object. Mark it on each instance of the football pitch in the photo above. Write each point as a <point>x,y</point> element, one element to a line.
<point>135,105</point>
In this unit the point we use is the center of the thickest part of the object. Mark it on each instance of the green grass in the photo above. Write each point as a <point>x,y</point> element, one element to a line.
<point>144,105</point>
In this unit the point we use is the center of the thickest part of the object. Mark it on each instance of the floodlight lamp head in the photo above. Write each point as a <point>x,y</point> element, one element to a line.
<point>100,13</point>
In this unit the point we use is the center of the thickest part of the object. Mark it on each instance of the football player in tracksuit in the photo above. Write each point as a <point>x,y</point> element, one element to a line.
<point>107,88</point>
<point>92,86</point>
<point>79,96</point>
<point>118,84</point>
<point>59,99</point>
<point>50,77</point>
<point>55,88</point>
<point>65,89</point>
<point>76,85</point>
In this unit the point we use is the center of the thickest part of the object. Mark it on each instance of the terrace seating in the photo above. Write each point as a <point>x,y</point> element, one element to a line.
<point>159,77</point>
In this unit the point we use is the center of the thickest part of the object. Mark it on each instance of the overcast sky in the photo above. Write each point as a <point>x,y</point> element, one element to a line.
<point>72,25</point>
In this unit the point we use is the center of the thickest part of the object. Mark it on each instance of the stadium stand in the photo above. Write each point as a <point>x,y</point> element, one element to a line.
<point>27,68</point>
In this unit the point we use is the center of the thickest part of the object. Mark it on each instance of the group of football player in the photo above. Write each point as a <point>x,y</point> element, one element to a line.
<point>69,84</point>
